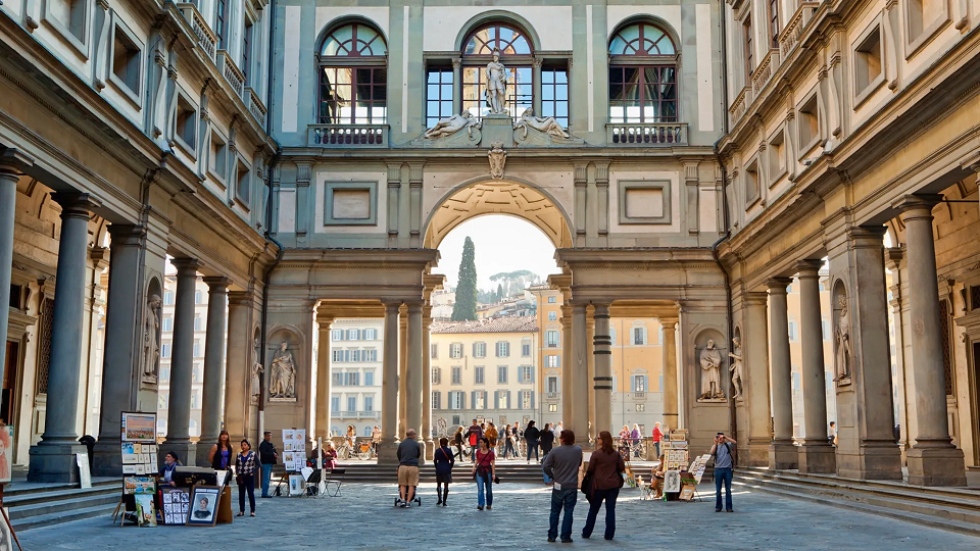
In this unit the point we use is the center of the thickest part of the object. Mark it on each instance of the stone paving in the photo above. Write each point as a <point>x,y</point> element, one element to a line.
<point>363,518</point>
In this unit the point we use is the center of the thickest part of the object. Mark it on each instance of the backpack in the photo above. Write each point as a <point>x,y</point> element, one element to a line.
<point>473,439</point>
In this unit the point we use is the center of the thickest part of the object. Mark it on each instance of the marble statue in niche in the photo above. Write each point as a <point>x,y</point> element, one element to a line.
<point>151,343</point>
<point>255,381</point>
<point>496,93</point>
<point>283,371</point>
<point>842,342</point>
<point>710,362</point>
<point>736,368</point>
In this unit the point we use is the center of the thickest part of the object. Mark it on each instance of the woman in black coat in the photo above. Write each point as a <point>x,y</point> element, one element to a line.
<point>531,435</point>
<point>547,439</point>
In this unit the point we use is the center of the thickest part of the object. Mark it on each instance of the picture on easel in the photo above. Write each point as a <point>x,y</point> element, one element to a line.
<point>203,506</point>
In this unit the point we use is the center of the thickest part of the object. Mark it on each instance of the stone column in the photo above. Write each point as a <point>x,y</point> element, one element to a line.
<point>389,387</point>
<point>671,406</point>
<point>755,375</point>
<point>427,382</point>
<point>578,421</point>
<point>816,455</point>
<point>323,378</point>
<point>53,458</point>
<point>242,355</point>
<point>402,371</point>
<point>182,361</point>
<point>590,359</point>
<point>603,369</point>
<point>413,385</point>
<point>933,459</point>
<point>8,204</point>
<point>214,363</point>
<point>782,452</point>
<point>566,364</point>
<point>123,350</point>
<point>895,262</point>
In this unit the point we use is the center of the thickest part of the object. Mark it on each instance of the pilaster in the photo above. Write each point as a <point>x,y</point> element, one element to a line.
<point>755,360</point>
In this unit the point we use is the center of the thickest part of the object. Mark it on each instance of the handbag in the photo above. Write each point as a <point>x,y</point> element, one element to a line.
<point>496,480</point>
<point>588,486</point>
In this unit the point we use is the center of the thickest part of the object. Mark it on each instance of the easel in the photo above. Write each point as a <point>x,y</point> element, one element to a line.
<point>284,479</point>
<point>7,520</point>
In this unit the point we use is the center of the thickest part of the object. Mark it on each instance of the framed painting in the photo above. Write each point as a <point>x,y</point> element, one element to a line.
<point>139,427</point>
<point>202,510</point>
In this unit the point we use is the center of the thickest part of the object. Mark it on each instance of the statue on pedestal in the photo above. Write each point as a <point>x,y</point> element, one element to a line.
<point>710,361</point>
<point>496,85</point>
<point>842,338</point>
<point>151,345</point>
<point>283,381</point>
<point>736,367</point>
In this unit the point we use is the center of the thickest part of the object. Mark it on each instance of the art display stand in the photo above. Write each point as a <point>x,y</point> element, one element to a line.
<point>675,450</point>
<point>139,468</point>
<point>6,520</point>
<point>294,460</point>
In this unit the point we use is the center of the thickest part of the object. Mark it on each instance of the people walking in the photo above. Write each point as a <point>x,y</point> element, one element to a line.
<point>721,451</point>
<point>562,466</point>
<point>458,442</point>
<point>473,436</point>
<point>409,453</point>
<point>606,467</point>
<point>491,435</point>
<point>531,437</point>
<point>246,465</point>
<point>268,456</point>
<point>443,460</point>
<point>508,443</point>
<point>484,472</point>
<point>657,436</point>
<point>547,439</point>
<point>636,435</point>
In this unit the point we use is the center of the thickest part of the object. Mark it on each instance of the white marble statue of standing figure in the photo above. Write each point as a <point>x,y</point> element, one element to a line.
<point>283,373</point>
<point>151,330</point>
<point>255,383</point>
<point>496,84</point>
<point>736,367</point>
<point>842,334</point>
<point>710,360</point>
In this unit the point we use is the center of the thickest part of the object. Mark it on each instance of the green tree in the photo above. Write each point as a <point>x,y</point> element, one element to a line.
<point>466,293</point>
<point>500,292</point>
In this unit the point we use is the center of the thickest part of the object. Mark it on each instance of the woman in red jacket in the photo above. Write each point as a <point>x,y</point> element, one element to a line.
<point>606,467</point>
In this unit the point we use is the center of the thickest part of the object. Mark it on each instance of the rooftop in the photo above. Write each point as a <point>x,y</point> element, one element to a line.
<point>525,324</point>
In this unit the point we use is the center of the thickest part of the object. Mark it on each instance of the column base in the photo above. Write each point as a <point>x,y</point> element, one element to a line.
<point>388,452</point>
<point>55,463</point>
<point>108,458</point>
<point>186,451</point>
<point>757,455</point>
<point>933,466</point>
<point>783,456</point>
<point>872,461</point>
<point>202,452</point>
<point>817,458</point>
<point>430,449</point>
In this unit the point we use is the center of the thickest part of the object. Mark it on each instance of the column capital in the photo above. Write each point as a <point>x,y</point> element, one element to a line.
<point>894,256</point>
<point>601,309</point>
<point>910,204</point>
<point>126,235</point>
<point>240,298</point>
<point>392,306</point>
<point>755,298</point>
<point>186,266</point>
<point>79,205</point>
<point>777,285</point>
<point>808,268</point>
<point>100,256</point>
<point>668,323</point>
<point>13,162</point>
<point>217,284</point>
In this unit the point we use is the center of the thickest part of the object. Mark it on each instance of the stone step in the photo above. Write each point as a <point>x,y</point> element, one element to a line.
<point>46,495</point>
<point>67,515</point>
<point>41,505</point>
<point>950,509</point>
<point>62,505</point>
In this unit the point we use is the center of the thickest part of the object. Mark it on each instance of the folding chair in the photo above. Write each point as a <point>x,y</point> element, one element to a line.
<point>333,476</point>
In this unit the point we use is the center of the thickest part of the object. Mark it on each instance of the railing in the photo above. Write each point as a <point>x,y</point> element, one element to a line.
<point>742,100</point>
<point>794,27</point>
<point>328,135</point>
<point>356,414</point>
<point>764,71</point>
<point>255,105</point>
<point>231,72</point>
<point>665,133</point>
<point>205,37</point>
<point>552,395</point>
<point>638,395</point>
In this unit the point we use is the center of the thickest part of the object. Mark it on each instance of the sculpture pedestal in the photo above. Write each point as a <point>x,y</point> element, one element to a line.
<point>817,458</point>
<point>497,128</point>
<point>783,456</point>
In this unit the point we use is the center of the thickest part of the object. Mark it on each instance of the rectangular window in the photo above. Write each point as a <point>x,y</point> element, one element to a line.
<point>370,355</point>
<point>221,22</point>
<point>793,336</point>
<point>353,335</point>
<point>195,399</point>
<point>867,64</point>
<point>197,375</point>
<point>168,324</point>
<point>456,399</point>
<point>165,350</point>
<point>353,95</point>
<point>368,378</point>
<point>337,379</point>
<point>126,68</point>
<point>352,403</point>
<point>198,324</point>
<point>552,385</point>
<point>164,374</point>
<point>552,360</point>
<point>438,95</point>
<point>552,300</point>
<point>247,50</point>
<point>478,375</point>
<point>335,404</point>
<point>352,379</point>
<point>752,189</point>
<point>642,94</point>
<point>243,179</point>
<point>436,376</point>
<point>457,376</point>
<point>639,336</point>
<point>641,407</point>
<point>479,399</point>
<point>503,349</point>
<point>370,334</point>
<point>526,350</point>
<point>337,335</point>
<point>369,403</point>
<point>552,339</point>
<point>185,125</point>
<point>337,355</point>
<point>434,351</point>
<point>525,374</point>
<point>355,355</point>
<point>552,316</point>
<point>197,349</point>
<point>479,350</point>
<point>456,350</point>
<point>552,408</point>
<point>749,48</point>
<point>198,297</point>
<point>168,297</point>
<point>519,96</point>
<point>774,22</point>
<point>502,374</point>
<point>436,400</point>
<point>526,398</point>
<point>554,93</point>
<point>808,125</point>
<point>639,383</point>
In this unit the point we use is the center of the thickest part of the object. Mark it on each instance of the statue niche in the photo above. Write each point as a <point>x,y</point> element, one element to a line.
<point>709,361</point>
<point>282,380</point>
<point>842,340</point>
<point>151,340</point>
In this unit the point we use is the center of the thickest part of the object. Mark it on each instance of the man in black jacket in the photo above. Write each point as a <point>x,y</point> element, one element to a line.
<point>268,456</point>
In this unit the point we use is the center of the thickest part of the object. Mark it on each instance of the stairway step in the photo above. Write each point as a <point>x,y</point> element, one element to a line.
<point>21,500</point>
<point>80,502</point>
<point>58,517</point>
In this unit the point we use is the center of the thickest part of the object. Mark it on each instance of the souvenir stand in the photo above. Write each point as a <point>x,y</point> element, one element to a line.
<point>139,469</point>
<point>675,452</point>
<point>293,460</point>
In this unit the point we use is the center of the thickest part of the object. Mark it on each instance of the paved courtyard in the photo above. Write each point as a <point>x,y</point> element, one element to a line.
<point>363,518</point>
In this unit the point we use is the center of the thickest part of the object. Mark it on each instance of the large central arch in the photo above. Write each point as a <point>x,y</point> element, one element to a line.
<point>498,197</point>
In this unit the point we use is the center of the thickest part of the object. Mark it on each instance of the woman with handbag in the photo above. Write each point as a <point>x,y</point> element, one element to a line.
<point>484,473</point>
<point>443,460</point>
<point>246,465</point>
<point>605,467</point>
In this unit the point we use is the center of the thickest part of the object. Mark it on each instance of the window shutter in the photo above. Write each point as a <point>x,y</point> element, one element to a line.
<point>484,398</point>
<point>532,400</point>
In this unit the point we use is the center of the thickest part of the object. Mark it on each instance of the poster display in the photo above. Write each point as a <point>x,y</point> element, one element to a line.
<point>176,503</point>
<point>138,458</point>
<point>294,449</point>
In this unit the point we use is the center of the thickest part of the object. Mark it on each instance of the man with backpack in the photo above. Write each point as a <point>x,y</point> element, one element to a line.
<point>721,451</point>
<point>473,436</point>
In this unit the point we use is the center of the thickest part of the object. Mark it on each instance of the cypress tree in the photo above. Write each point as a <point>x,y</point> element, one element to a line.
<point>465,307</point>
<point>500,292</point>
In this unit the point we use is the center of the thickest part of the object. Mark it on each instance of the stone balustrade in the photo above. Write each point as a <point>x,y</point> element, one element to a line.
<point>794,27</point>
<point>651,134</point>
<point>231,72</point>
<point>330,135</point>
<point>765,70</point>
<point>255,105</point>
<point>205,36</point>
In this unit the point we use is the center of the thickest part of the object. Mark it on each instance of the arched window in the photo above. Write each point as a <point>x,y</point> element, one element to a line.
<point>515,53</point>
<point>353,76</point>
<point>642,76</point>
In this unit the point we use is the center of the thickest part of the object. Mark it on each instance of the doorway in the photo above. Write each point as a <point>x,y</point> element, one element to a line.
<point>8,393</point>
